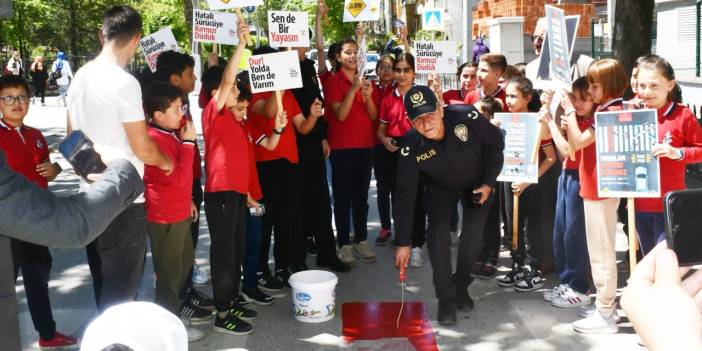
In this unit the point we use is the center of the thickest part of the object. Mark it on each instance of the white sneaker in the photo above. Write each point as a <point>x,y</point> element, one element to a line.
<point>194,334</point>
<point>571,298</point>
<point>200,277</point>
<point>346,255</point>
<point>597,323</point>
<point>550,295</point>
<point>416,259</point>
<point>587,311</point>
<point>363,250</point>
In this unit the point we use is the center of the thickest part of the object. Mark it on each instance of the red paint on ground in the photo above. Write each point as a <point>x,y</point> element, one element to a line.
<point>377,320</point>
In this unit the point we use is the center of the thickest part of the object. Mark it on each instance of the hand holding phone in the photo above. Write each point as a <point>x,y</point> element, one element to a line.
<point>80,152</point>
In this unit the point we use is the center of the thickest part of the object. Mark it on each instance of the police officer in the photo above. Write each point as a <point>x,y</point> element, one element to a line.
<point>457,153</point>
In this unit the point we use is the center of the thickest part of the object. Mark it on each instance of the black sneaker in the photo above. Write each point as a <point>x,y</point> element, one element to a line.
<point>232,325</point>
<point>255,295</point>
<point>383,237</point>
<point>447,312</point>
<point>463,300</point>
<point>241,301</point>
<point>282,276</point>
<point>311,246</point>
<point>194,314</point>
<point>267,283</point>
<point>200,300</point>
<point>516,274</point>
<point>532,280</point>
<point>243,313</point>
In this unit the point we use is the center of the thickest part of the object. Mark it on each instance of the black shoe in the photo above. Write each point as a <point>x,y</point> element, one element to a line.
<point>194,314</point>
<point>463,300</point>
<point>232,325</point>
<point>200,300</point>
<point>241,301</point>
<point>447,312</point>
<point>335,264</point>
<point>311,246</point>
<point>298,268</point>
<point>516,274</point>
<point>267,283</point>
<point>282,276</point>
<point>243,313</point>
<point>256,296</point>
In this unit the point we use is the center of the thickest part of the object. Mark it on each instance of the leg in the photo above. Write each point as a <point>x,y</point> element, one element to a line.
<point>221,225</point>
<point>342,191</point>
<point>297,249</point>
<point>383,183</point>
<point>438,202</point>
<point>167,248</point>
<point>560,230</point>
<point>252,252</point>
<point>471,243</point>
<point>491,233</point>
<point>577,258</point>
<point>35,262</point>
<point>419,236</point>
<point>600,228</point>
<point>239,209</point>
<point>359,196</point>
<point>267,174</point>
<point>318,213</point>
<point>194,233</point>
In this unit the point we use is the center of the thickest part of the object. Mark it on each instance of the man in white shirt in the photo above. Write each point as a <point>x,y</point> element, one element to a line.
<point>105,103</point>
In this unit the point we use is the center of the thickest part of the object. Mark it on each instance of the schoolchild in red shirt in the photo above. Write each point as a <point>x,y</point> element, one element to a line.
<point>467,82</point>
<point>490,69</point>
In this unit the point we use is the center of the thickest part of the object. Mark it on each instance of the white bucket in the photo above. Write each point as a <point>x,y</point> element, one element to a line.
<point>314,296</point>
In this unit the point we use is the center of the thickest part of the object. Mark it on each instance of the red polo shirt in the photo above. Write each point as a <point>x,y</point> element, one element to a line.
<point>226,151</point>
<point>477,94</point>
<point>392,114</point>
<point>287,146</point>
<point>678,127</point>
<point>356,131</point>
<point>454,97</point>
<point>24,149</point>
<point>583,124</point>
<point>588,160</point>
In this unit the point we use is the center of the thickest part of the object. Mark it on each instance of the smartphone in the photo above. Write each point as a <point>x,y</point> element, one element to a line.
<point>79,151</point>
<point>681,210</point>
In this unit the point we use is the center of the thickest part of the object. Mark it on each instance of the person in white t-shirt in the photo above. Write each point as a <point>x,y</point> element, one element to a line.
<point>104,102</point>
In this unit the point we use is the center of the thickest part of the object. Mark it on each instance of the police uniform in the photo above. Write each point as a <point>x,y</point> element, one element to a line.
<point>468,156</point>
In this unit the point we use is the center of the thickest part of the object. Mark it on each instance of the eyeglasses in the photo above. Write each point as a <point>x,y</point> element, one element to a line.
<point>384,68</point>
<point>10,100</point>
<point>401,70</point>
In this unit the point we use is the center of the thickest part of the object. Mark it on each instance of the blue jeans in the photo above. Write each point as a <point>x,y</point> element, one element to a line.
<point>252,251</point>
<point>651,230</point>
<point>569,240</point>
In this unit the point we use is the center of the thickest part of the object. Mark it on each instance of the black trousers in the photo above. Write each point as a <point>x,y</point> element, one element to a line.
<point>40,90</point>
<point>226,219</point>
<point>491,234</point>
<point>384,167</point>
<point>281,183</point>
<point>35,263</point>
<point>116,258</point>
<point>439,203</point>
<point>197,195</point>
<point>315,211</point>
<point>351,172</point>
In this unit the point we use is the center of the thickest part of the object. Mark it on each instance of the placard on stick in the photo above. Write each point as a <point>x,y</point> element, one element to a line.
<point>215,27</point>
<point>288,29</point>
<point>361,10</point>
<point>625,166</point>
<point>278,71</point>
<point>154,44</point>
<point>435,57</point>
<point>559,49</point>
<point>521,132</point>
<point>230,4</point>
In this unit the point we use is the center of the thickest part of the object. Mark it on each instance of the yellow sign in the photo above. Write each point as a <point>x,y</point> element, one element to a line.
<point>355,7</point>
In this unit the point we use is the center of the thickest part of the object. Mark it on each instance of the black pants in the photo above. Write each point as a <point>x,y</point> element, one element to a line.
<point>40,90</point>
<point>226,219</point>
<point>194,232</point>
<point>351,172</point>
<point>384,162</point>
<point>116,258</point>
<point>315,211</point>
<point>282,189</point>
<point>491,233</point>
<point>439,203</point>
<point>35,263</point>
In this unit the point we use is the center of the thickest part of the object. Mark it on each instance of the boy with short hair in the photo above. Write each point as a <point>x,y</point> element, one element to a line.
<point>490,68</point>
<point>28,154</point>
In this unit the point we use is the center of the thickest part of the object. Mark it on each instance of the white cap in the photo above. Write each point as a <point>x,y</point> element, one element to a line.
<point>142,326</point>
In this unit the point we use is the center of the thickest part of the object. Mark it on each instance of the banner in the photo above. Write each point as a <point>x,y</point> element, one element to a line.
<point>156,43</point>
<point>361,10</point>
<point>288,29</point>
<point>521,131</point>
<point>215,27</point>
<point>559,51</point>
<point>278,71</point>
<point>625,166</point>
<point>435,57</point>
<point>230,4</point>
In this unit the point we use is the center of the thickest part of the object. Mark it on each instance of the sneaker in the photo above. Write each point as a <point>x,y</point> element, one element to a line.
<point>243,313</point>
<point>571,298</point>
<point>267,283</point>
<point>416,259</point>
<point>487,271</point>
<point>383,237</point>
<point>255,295</point>
<point>363,249</point>
<point>232,325</point>
<point>346,256</point>
<point>550,295</point>
<point>194,314</point>
<point>200,300</point>
<point>597,323</point>
<point>477,266</point>
<point>194,334</point>
<point>311,246</point>
<point>282,276</point>
<point>200,277</point>
<point>446,315</point>
<point>463,300</point>
<point>454,237</point>
<point>531,281</point>
<point>587,311</point>
<point>59,342</point>
<point>516,274</point>
<point>241,301</point>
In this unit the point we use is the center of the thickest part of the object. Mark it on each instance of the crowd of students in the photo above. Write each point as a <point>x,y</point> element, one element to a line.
<point>265,174</point>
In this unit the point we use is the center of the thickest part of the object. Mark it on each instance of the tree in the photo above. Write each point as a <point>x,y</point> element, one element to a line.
<point>632,31</point>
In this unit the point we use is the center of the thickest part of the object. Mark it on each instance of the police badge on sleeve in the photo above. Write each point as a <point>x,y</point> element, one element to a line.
<point>461,132</point>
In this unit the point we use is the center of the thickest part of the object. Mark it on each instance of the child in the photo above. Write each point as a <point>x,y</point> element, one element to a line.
<point>28,154</point>
<point>169,208</point>
<point>607,83</point>
<point>488,106</point>
<point>679,144</point>
<point>490,69</point>
<point>569,242</point>
<point>467,80</point>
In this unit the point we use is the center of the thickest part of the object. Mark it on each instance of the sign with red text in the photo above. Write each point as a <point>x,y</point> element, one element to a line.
<point>278,71</point>
<point>215,27</point>
<point>361,10</point>
<point>230,4</point>
<point>435,57</point>
<point>288,29</point>
<point>156,43</point>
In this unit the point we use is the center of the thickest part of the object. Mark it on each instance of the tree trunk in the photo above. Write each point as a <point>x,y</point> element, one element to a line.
<point>632,31</point>
<point>188,11</point>
<point>73,35</point>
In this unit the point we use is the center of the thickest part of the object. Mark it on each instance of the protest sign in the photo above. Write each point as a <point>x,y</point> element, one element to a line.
<point>521,132</point>
<point>559,51</point>
<point>435,57</point>
<point>278,71</point>
<point>545,58</point>
<point>156,43</point>
<point>625,166</point>
<point>362,57</point>
<point>215,27</point>
<point>361,10</point>
<point>288,29</point>
<point>230,4</point>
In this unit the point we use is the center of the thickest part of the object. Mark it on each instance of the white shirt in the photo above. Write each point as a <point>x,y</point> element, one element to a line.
<point>66,72</point>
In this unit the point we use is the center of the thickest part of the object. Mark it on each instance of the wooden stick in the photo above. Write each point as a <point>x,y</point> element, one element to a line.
<point>515,221</point>
<point>633,244</point>
<point>249,42</point>
<point>279,100</point>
